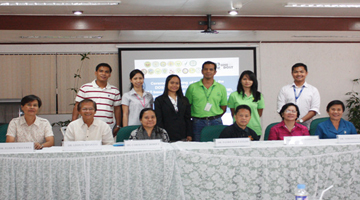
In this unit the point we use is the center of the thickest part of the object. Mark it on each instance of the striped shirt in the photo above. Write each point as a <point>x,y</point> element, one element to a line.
<point>105,99</point>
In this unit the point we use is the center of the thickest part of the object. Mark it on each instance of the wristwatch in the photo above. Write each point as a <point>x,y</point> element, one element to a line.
<point>117,126</point>
<point>301,120</point>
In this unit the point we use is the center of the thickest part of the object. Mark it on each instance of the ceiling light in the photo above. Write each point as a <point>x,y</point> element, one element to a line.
<point>78,12</point>
<point>234,8</point>
<point>62,37</point>
<point>321,5</point>
<point>233,12</point>
<point>60,3</point>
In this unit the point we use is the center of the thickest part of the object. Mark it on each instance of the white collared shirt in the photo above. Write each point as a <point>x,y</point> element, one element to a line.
<point>309,99</point>
<point>136,104</point>
<point>98,130</point>
<point>105,99</point>
<point>174,103</point>
<point>36,132</point>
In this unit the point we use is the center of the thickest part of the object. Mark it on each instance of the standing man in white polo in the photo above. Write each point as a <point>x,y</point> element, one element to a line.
<point>107,97</point>
<point>304,95</point>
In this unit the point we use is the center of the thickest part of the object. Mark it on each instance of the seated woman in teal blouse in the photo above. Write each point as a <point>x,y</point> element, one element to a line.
<point>335,125</point>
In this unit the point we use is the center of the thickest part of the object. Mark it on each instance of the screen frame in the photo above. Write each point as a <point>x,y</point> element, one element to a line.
<point>120,49</point>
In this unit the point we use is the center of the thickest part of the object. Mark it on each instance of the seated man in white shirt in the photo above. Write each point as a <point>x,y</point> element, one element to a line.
<point>87,127</point>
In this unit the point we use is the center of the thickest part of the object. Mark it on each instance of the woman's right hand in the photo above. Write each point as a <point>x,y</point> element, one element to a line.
<point>38,145</point>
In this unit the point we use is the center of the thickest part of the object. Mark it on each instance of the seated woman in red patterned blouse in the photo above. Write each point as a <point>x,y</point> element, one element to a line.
<point>288,127</point>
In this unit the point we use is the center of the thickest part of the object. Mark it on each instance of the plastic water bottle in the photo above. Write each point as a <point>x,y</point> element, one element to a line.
<point>300,192</point>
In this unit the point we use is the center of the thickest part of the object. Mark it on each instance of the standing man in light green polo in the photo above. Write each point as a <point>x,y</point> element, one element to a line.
<point>208,100</point>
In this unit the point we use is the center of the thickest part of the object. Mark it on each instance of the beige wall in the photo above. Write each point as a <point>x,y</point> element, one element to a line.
<point>331,68</point>
<point>46,75</point>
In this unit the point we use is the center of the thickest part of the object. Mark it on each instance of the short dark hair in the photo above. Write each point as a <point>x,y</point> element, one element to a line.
<point>103,65</point>
<point>208,62</point>
<point>286,106</point>
<point>335,102</point>
<point>144,110</point>
<point>299,65</point>
<point>243,106</point>
<point>84,101</point>
<point>133,73</point>
<point>30,98</point>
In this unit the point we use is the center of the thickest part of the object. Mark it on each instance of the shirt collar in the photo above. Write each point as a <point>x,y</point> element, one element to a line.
<point>23,121</point>
<point>240,129</point>
<point>341,125</point>
<point>83,123</point>
<point>305,84</point>
<point>96,85</point>
<point>202,84</point>
<point>132,92</point>
<point>282,123</point>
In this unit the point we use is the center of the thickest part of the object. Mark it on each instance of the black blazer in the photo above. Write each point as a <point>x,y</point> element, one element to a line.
<point>177,124</point>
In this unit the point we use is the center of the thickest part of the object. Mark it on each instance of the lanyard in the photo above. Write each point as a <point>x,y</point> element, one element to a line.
<point>296,97</point>
<point>207,96</point>
<point>143,104</point>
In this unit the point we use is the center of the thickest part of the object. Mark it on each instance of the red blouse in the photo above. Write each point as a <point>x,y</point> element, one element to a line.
<point>278,131</point>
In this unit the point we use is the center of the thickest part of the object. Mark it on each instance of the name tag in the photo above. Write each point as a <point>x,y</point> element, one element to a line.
<point>17,147</point>
<point>232,142</point>
<point>301,140</point>
<point>81,145</point>
<point>142,144</point>
<point>352,138</point>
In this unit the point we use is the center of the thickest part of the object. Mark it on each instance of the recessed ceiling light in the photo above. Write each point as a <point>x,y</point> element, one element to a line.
<point>233,12</point>
<point>78,12</point>
<point>60,3</point>
<point>321,5</point>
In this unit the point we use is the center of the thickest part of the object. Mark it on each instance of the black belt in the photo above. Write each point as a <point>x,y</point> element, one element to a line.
<point>208,118</point>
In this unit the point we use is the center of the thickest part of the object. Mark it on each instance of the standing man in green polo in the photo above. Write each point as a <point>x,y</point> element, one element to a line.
<point>208,100</point>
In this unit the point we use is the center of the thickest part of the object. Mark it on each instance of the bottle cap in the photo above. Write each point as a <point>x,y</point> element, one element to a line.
<point>301,186</point>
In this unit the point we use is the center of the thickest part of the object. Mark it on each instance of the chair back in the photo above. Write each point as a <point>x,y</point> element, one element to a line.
<point>209,133</point>
<point>267,130</point>
<point>63,130</point>
<point>3,130</point>
<point>124,133</point>
<point>314,124</point>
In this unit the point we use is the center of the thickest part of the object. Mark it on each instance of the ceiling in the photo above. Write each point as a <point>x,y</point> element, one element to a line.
<point>271,9</point>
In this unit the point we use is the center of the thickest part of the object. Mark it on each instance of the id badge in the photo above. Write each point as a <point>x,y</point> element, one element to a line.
<point>208,107</point>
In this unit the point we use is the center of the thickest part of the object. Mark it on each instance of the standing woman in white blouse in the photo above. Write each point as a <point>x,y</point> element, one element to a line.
<point>173,111</point>
<point>135,100</point>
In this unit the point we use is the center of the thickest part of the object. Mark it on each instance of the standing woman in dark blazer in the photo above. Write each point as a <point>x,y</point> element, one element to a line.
<point>173,111</point>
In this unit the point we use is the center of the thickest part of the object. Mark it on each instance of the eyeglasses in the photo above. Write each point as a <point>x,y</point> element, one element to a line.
<point>87,109</point>
<point>290,111</point>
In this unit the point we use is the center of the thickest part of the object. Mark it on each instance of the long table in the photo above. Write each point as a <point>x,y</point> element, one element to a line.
<point>112,173</point>
<point>184,170</point>
<point>269,170</point>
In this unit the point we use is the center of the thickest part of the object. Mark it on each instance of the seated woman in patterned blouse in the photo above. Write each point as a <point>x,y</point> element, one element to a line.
<point>335,125</point>
<point>148,128</point>
<point>31,128</point>
<point>288,127</point>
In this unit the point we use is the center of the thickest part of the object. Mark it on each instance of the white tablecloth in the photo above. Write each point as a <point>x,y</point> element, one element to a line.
<point>183,170</point>
<point>109,174</point>
<point>269,170</point>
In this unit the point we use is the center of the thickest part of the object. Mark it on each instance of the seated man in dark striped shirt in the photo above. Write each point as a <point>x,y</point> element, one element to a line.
<point>106,96</point>
<point>239,129</point>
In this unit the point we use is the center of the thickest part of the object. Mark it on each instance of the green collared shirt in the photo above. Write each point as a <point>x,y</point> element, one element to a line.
<point>199,96</point>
